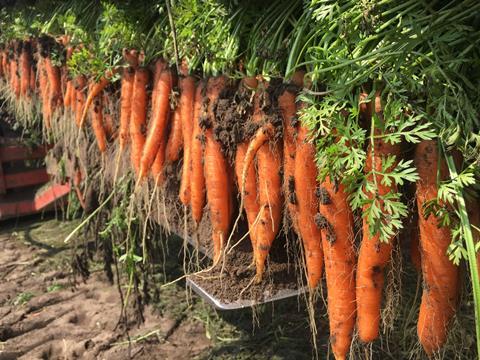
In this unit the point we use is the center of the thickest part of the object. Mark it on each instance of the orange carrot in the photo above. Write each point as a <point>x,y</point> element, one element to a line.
<point>138,116</point>
<point>440,275</point>
<point>107,116</point>
<point>187,98</point>
<point>44,91</point>
<point>55,87</point>
<point>217,181</point>
<point>33,80</point>
<point>270,199</point>
<point>2,65</point>
<point>336,221</point>
<point>125,106</point>
<point>365,108</point>
<point>131,57</point>
<point>97,124</point>
<point>305,171</point>
<point>158,125</point>
<point>269,160</point>
<point>67,99</point>
<point>77,180</point>
<point>286,103</point>
<point>25,68</point>
<point>15,79</point>
<point>159,164</point>
<point>81,83</point>
<point>175,137</point>
<point>262,135</point>
<point>5,65</point>
<point>93,93</point>
<point>197,177</point>
<point>250,203</point>
<point>160,66</point>
<point>11,75</point>
<point>374,255</point>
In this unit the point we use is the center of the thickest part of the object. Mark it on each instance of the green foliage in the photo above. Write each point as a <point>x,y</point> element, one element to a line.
<point>23,298</point>
<point>55,287</point>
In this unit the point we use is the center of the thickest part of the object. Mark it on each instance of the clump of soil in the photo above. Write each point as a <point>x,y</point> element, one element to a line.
<point>231,110</point>
<point>232,281</point>
<point>234,108</point>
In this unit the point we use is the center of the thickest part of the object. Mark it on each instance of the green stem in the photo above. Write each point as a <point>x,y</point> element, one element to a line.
<point>89,217</point>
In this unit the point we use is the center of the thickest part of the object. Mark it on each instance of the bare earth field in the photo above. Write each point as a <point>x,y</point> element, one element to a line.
<point>47,314</point>
<point>43,317</point>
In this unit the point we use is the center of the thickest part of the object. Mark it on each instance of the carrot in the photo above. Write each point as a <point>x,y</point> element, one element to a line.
<point>374,255</point>
<point>187,98</point>
<point>77,180</point>
<point>81,83</point>
<point>11,75</point>
<point>269,159</point>
<point>67,99</point>
<point>262,135</point>
<point>55,87</point>
<point>160,66</point>
<point>93,93</point>
<point>125,106</point>
<point>365,108</point>
<point>158,125</point>
<point>286,103</point>
<point>250,203</point>
<point>97,124</point>
<point>175,138</point>
<point>43,87</point>
<point>305,171</point>
<point>107,116</point>
<point>197,177</point>
<point>131,57</point>
<point>217,181</point>
<point>337,232</point>
<point>2,66</point>
<point>440,275</point>
<point>138,116</point>
<point>159,163</point>
<point>33,80</point>
<point>5,65</point>
<point>15,79</point>
<point>25,68</point>
<point>270,199</point>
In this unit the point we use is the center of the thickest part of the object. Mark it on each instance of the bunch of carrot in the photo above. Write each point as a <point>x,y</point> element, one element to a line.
<point>277,162</point>
<point>17,67</point>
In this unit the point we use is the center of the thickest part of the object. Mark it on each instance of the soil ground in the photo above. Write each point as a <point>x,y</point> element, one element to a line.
<point>47,314</point>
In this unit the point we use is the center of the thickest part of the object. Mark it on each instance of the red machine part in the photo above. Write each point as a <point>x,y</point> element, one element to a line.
<point>16,206</point>
<point>24,190</point>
